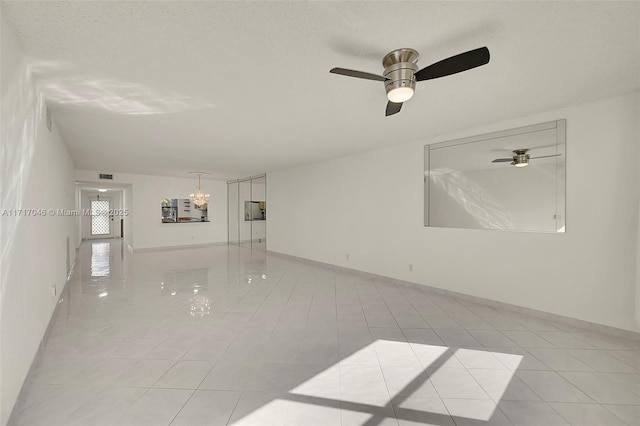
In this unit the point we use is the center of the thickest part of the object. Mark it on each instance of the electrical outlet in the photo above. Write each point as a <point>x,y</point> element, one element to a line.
<point>54,290</point>
<point>411,266</point>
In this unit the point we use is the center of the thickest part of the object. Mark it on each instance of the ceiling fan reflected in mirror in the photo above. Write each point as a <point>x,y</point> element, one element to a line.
<point>401,72</point>
<point>521,158</point>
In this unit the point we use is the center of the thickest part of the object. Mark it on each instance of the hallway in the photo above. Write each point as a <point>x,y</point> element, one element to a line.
<point>226,335</point>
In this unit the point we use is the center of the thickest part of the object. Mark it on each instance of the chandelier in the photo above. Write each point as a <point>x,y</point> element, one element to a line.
<point>199,198</point>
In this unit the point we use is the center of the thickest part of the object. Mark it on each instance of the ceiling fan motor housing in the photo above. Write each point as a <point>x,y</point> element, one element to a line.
<point>520,157</point>
<point>400,66</point>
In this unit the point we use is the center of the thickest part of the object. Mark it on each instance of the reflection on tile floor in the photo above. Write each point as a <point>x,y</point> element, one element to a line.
<point>226,335</point>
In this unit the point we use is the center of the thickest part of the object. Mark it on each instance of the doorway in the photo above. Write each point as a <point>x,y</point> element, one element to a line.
<point>103,210</point>
<point>101,217</point>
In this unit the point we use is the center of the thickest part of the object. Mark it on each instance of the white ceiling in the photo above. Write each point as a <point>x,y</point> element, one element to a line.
<point>239,88</point>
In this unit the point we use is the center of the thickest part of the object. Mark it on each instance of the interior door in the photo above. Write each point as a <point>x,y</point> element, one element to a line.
<point>101,220</point>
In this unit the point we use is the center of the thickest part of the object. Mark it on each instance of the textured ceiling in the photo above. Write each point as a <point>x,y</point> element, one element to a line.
<point>239,88</point>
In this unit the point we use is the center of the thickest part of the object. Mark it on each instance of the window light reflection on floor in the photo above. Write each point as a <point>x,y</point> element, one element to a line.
<point>100,259</point>
<point>407,391</point>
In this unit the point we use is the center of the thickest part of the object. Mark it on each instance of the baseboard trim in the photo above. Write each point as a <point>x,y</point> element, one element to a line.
<point>165,248</point>
<point>45,337</point>
<point>257,240</point>
<point>574,322</point>
<point>70,273</point>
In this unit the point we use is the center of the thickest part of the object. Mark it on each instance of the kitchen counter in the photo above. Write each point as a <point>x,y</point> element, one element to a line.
<point>192,220</point>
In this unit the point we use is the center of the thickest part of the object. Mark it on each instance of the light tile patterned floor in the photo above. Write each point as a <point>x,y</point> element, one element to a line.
<point>226,335</point>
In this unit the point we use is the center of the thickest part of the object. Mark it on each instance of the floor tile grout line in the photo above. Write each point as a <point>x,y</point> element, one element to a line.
<point>369,288</point>
<point>271,333</point>
<point>181,407</point>
<point>391,398</point>
<point>480,385</point>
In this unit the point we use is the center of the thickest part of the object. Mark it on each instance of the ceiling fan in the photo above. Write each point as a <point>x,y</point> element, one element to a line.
<point>521,158</point>
<point>401,72</point>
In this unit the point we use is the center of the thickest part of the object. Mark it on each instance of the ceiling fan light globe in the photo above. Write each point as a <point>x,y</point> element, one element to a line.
<point>400,94</point>
<point>521,164</point>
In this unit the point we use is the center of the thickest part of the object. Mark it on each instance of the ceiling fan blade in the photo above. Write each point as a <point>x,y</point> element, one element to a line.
<point>455,64</point>
<point>357,74</point>
<point>502,160</point>
<point>393,108</point>
<point>545,156</point>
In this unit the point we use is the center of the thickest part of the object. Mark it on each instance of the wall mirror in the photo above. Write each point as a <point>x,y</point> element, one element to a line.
<point>247,218</point>
<point>182,210</point>
<point>508,180</point>
<point>255,210</point>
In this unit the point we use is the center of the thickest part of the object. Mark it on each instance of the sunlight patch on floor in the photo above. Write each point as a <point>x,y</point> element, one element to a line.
<point>369,400</point>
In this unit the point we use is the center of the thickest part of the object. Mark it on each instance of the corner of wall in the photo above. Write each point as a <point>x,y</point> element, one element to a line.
<point>37,176</point>
<point>591,273</point>
<point>637,256</point>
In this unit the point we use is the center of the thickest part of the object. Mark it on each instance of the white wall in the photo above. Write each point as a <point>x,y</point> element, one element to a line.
<point>127,204</point>
<point>37,173</point>
<point>588,273</point>
<point>146,229</point>
<point>78,207</point>
<point>638,253</point>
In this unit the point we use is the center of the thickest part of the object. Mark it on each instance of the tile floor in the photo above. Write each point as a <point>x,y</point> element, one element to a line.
<point>226,335</point>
